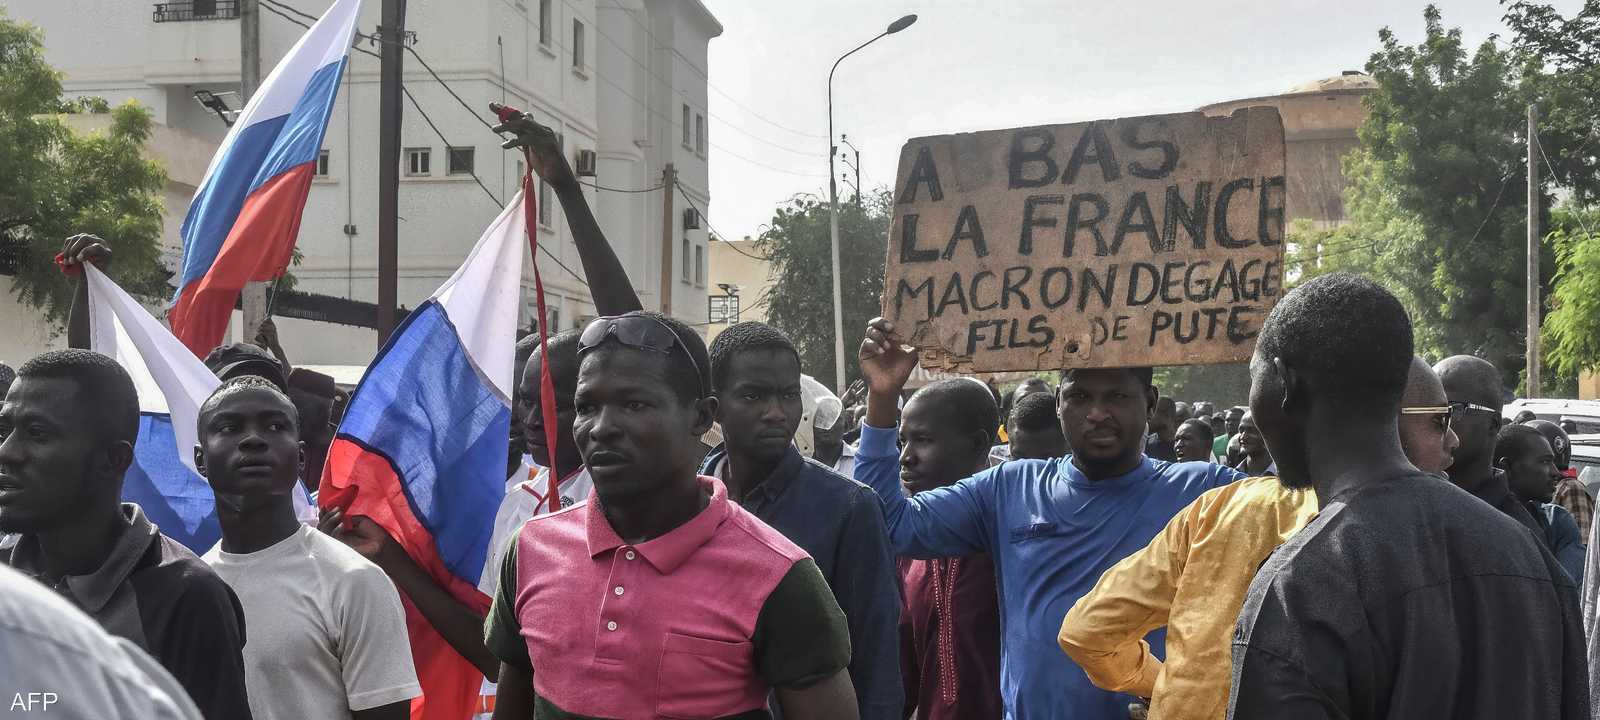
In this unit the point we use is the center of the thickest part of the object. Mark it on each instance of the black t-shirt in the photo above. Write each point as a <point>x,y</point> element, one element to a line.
<point>1410,598</point>
<point>154,592</point>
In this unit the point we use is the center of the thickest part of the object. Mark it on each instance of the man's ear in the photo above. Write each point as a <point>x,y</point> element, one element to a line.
<point>1151,395</point>
<point>300,461</point>
<point>199,460</point>
<point>120,456</point>
<point>1290,380</point>
<point>705,413</point>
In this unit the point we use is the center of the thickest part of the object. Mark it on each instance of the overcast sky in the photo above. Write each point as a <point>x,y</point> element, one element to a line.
<point>984,64</point>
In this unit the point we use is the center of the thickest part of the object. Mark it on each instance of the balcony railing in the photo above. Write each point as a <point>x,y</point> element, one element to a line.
<point>196,10</point>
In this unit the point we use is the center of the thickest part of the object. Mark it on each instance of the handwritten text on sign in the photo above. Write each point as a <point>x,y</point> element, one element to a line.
<point>1141,241</point>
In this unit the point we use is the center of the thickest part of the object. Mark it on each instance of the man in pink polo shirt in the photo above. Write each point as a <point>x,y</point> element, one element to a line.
<point>658,597</point>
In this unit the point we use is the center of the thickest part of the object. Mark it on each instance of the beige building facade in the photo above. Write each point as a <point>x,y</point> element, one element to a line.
<point>1320,120</point>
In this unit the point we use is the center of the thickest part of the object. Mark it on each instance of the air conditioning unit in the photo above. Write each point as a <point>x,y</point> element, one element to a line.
<point>691,219</point>
<point>586,161</point>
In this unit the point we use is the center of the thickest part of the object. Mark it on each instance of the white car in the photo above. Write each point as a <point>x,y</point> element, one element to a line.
<point>1583,413</point>
<point>1586,460</point>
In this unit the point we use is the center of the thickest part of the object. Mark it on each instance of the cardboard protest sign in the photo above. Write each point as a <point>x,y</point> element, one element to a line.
<point>1140,241</point>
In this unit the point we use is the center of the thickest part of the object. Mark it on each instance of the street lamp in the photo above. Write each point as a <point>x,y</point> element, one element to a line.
<point>833,208</point>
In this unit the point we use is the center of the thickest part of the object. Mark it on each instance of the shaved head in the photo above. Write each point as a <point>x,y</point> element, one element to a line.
<point>1422,386</point>
<point>1471,379</point>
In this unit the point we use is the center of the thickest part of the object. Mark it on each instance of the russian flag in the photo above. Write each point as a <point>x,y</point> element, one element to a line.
<point>245,216</point>
<point>172,384</point>
<point>423,443</point>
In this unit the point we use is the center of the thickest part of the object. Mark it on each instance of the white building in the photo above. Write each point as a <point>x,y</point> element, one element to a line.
<point>626,80</point>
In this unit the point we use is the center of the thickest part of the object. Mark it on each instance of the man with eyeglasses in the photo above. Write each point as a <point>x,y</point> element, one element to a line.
<point>659,597</point>
<point>1474,390</point>
<point>1192,578</point>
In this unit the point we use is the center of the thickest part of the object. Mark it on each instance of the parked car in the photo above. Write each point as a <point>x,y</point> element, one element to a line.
<point>1586,460</point>
<point>1583,413</point>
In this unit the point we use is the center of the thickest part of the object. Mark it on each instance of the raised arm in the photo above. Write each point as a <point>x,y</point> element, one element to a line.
<point>943,522</point>
<point>609,286</point>
<point>77,250</point>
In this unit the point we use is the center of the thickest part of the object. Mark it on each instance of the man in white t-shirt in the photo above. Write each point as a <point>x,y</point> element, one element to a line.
<point>326,632</point>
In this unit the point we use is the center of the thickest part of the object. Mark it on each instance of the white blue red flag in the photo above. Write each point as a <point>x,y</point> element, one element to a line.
<point>245,216</point>
<point>423,443</point>
<point>172,385</point>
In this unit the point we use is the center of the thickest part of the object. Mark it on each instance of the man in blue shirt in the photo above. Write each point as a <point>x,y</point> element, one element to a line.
<point>755,376</point>
<point>1052,526</point>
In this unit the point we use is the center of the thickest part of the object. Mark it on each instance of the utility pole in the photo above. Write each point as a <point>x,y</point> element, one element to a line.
<point>254,295</point>
<point>669,185</point>
<point>1533,252</point>
<point>390,73</point>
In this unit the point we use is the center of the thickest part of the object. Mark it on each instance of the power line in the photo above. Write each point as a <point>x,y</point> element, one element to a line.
<point>707,78</point>
<point>643,66</point>
<point>446,141</point>
<point>1577,214</point>
<point>447,88</point>
<point>596,70</point>
<point>598,186</point>
<point>486,191</point>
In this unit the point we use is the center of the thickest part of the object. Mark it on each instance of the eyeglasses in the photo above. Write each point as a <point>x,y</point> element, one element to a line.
<point>1462,407</point>
<point>640,332</point>
<point>1439,413</point>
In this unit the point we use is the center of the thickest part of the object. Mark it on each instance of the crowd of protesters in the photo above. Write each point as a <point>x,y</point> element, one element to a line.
<point>1366,538</point>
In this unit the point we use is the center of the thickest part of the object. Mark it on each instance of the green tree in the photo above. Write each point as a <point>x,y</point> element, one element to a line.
<point>1572,327</point>
<point>1437,187</point>
<point>801,300</point>
<point>56,183</point>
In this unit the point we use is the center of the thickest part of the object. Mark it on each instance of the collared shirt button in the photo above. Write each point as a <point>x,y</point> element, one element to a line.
<point>611,625</point>
<point>617,590</point>
<point>631,555</point>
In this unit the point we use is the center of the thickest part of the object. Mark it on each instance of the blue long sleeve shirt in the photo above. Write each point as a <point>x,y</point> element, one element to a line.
<point>1051,532</point>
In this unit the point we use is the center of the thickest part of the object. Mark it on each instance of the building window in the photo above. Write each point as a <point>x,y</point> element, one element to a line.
<point>418,161</point>
<point>686,125</point>
<point>700,134</point>
<point>685,262</point>
<point>518,176</point>
<point>544,22</point>
<point>322,163</point>
<point>700,265</point>
<point>577,44</point>
<point>459,160</point>
<point>723,309</point>
<point>545,202</point>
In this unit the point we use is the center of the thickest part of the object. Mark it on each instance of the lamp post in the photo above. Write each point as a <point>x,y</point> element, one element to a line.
<point>833,208</point>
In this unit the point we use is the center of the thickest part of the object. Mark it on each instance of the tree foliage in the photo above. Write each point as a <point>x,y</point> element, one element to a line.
<point>1437,198</point>
<point>801,299</point>
<point>1572,328</point>
<point>56,183</point>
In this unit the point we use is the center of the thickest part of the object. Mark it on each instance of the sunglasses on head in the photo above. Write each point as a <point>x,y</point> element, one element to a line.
<point>1440,414</point>
<point>640,332</point>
